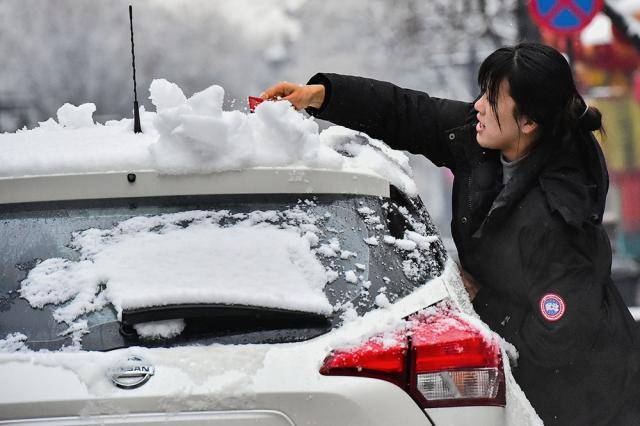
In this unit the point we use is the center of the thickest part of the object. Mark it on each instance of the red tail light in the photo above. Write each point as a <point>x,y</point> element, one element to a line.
<point>378,358</point>
<point>441,362</point>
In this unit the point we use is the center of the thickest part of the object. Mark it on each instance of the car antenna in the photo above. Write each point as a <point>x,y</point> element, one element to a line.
<point>136,112</point>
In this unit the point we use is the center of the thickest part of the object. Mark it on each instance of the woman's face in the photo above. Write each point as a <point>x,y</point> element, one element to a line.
<point>508,137</point>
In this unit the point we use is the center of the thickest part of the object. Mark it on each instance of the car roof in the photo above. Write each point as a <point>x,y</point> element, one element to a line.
<point>149,183</point>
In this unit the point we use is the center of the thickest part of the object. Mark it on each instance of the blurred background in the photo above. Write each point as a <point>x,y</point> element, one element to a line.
<point>78,51</point>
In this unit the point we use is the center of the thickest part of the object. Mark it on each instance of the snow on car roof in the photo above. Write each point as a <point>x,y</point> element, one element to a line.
<point>194,136</point>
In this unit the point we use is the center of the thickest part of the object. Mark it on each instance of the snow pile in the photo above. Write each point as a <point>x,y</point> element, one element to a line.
<point>364,153</point>
<point>187,257</point>
<point>197,136</point>
<point>194,135</point>
<point>76,117</point>
<point>71,147</point>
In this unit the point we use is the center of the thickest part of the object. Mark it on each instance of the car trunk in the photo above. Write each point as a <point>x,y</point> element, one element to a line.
<point>273,384</point>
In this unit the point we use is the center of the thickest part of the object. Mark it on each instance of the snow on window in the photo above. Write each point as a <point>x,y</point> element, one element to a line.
<point>14,342</point>
<point>382,301</point>
<point>194,135</point>
<point>76,330</point>
<point>416,247</point>
<point>372,241</point>
<point>370,217</point>
<point>350,276</point>
<point>417,260</point>
<point>187,257</point>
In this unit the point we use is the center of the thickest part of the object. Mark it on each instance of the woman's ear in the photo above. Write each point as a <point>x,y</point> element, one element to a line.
<point>527,125</point>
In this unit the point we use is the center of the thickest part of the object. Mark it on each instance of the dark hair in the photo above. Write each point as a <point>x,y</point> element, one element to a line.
<point>542,86</point>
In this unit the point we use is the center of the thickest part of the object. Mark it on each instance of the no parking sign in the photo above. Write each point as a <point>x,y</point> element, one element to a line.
<point>564,16</point>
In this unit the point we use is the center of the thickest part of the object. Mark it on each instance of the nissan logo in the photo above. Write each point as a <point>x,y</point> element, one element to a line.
<point>131,373</point>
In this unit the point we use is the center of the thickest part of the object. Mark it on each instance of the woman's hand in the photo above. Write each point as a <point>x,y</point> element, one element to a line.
<point>299,95</point>
<point>470,284</point>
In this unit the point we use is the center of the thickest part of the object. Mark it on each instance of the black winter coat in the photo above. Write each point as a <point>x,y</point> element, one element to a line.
<point>536,246</point>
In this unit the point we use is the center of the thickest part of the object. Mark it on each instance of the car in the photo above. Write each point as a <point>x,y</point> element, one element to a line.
<point>391,350</point>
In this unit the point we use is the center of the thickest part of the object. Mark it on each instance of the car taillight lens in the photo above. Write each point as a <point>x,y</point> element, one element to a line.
<point>459,384</point>
<point>378,358</point>
<point>441,361</point>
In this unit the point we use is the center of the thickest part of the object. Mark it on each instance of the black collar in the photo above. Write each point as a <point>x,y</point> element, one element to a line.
<point>519,184</point>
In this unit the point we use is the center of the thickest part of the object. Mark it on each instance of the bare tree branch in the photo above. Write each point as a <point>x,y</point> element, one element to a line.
<point>628,28</point>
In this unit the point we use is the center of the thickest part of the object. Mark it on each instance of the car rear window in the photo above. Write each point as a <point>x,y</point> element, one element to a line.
<point>369,247</point>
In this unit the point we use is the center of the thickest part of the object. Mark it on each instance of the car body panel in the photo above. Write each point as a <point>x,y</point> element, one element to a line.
<point>198,418</point>
<point>470,416</point>
<point>149,184</point>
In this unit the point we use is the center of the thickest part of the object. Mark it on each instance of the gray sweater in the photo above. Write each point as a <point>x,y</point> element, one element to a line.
<point>510,167</point>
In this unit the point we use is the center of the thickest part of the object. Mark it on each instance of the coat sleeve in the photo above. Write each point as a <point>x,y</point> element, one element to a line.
<point>404,119</point>
<point>562,316</point>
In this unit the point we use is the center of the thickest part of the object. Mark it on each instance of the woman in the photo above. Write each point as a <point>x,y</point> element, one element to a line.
<point>528,197</point>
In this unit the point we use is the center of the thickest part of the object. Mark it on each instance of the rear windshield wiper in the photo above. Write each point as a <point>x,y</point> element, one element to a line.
<point>203,319</point>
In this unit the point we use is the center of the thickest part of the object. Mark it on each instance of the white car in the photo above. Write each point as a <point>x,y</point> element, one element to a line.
<point>383,342</point>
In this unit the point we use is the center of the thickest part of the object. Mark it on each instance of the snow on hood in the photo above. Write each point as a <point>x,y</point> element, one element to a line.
<point>194,135</point>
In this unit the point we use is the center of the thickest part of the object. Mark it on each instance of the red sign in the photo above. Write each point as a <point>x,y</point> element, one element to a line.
<point>564,16</point>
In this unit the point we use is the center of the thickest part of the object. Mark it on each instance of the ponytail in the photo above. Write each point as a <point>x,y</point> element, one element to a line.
<point>587,117</point>
<point>577,115</point>
<point>591,120</point>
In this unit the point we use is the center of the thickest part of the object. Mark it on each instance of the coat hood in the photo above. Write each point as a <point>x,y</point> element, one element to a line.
<point>576,182</point>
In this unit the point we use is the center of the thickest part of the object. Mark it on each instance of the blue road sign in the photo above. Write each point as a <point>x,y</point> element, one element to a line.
<point>564,16</point>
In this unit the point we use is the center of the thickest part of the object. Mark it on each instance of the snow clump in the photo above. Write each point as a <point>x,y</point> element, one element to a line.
<point>196,135</point>
<point>372,241</point>
<point>76,117</point>
<point>160,329</point>
<point>350,277</point>
<point>14,342</point>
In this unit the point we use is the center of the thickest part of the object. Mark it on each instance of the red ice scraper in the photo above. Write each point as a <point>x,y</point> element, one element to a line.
<point>254,102</point>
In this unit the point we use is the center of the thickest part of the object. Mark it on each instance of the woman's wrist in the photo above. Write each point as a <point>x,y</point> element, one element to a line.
<point>317,95</point>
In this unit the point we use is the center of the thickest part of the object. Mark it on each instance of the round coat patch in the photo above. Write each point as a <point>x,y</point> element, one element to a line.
<point>552,307</point>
